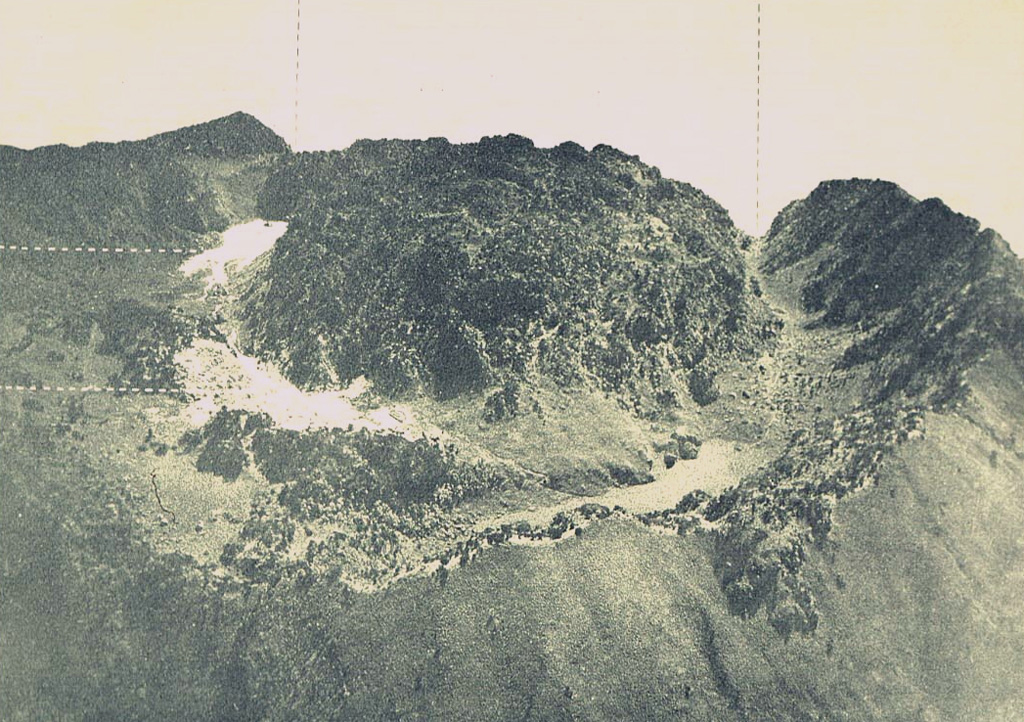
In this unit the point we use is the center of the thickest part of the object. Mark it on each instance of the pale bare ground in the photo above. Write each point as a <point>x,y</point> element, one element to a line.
<point>719,466</point>
<point>218,374</point>
<point>240,245</point>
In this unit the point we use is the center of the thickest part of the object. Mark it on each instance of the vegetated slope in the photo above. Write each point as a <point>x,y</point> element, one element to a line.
<point>238,134</point>
<point>932,292</point>
<point>459,267</point>
<point>923,300</point>
<point>163,192</point>
<point>930,560</point>
<point>165,189</point>
<point>618,624</point>
<point>94,622</point>
<point>92,319</point>
<point>872,571</point>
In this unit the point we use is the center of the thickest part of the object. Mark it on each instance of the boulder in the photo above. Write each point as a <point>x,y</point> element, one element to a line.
<point>670,460</point>
<point>662,446</point>
<point>687,445</point>
<point>688,450</point>
<point>593,510</point>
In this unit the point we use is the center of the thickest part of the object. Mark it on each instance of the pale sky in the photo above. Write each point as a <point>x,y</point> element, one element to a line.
<point>927,93</point>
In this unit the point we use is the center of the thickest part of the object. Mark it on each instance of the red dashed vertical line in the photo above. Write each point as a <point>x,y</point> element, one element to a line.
<point>298,32</point>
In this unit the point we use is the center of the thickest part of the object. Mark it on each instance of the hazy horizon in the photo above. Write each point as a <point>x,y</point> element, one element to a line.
<point>924,94</point>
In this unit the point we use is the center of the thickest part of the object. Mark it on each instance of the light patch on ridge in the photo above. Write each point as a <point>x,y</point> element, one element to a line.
<point>240,246</point>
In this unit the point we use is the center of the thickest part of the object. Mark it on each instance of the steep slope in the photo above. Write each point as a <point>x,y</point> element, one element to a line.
<point>459,268</point>
<point>872,570</point>
<point>916,623</point>
<point>232,136</point>
<point>169,188</point>
<point>931,293</point>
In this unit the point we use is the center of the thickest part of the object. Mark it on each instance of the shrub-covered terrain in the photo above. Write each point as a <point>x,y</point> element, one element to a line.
<point>459,267</point>
<point>95,623</point>
<point>932,292</point>
<point>765,526</point>
<point>363,468</point>
<point>362,500</point>
<point>161,192</point>
<point>852,553</point>
<point>930,297</point>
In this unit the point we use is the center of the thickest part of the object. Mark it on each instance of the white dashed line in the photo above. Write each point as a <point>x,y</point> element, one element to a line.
<point>94,389</point>
<point>96,249</point>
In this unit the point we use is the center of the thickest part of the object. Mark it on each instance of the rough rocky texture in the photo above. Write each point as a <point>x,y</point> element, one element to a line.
<point>454,267</point>
<point>870,568</point>
<point>931,291</point>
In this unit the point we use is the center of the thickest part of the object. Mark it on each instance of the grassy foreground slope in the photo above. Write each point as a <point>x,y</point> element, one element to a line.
<point>929,566</point>
<point>917,593</point>
<point>871,571</point>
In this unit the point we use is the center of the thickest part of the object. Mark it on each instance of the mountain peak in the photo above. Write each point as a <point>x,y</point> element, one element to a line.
<point>231,135</point>
<point>934,291</point>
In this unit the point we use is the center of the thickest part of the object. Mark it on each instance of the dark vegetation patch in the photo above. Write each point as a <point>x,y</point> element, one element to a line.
<point>222,441</point>
<point>504,403</point>
<point>94,623</point>
<point>161,192</point>
<point>142,337</point>
<point>362,468</point>
<point>579,478</point>
<point>379,492</point>
<point>767,522</point>
<point>145,339</point>
<point>930,291</point>
<point>92,320</point>
<point>461,267</point>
